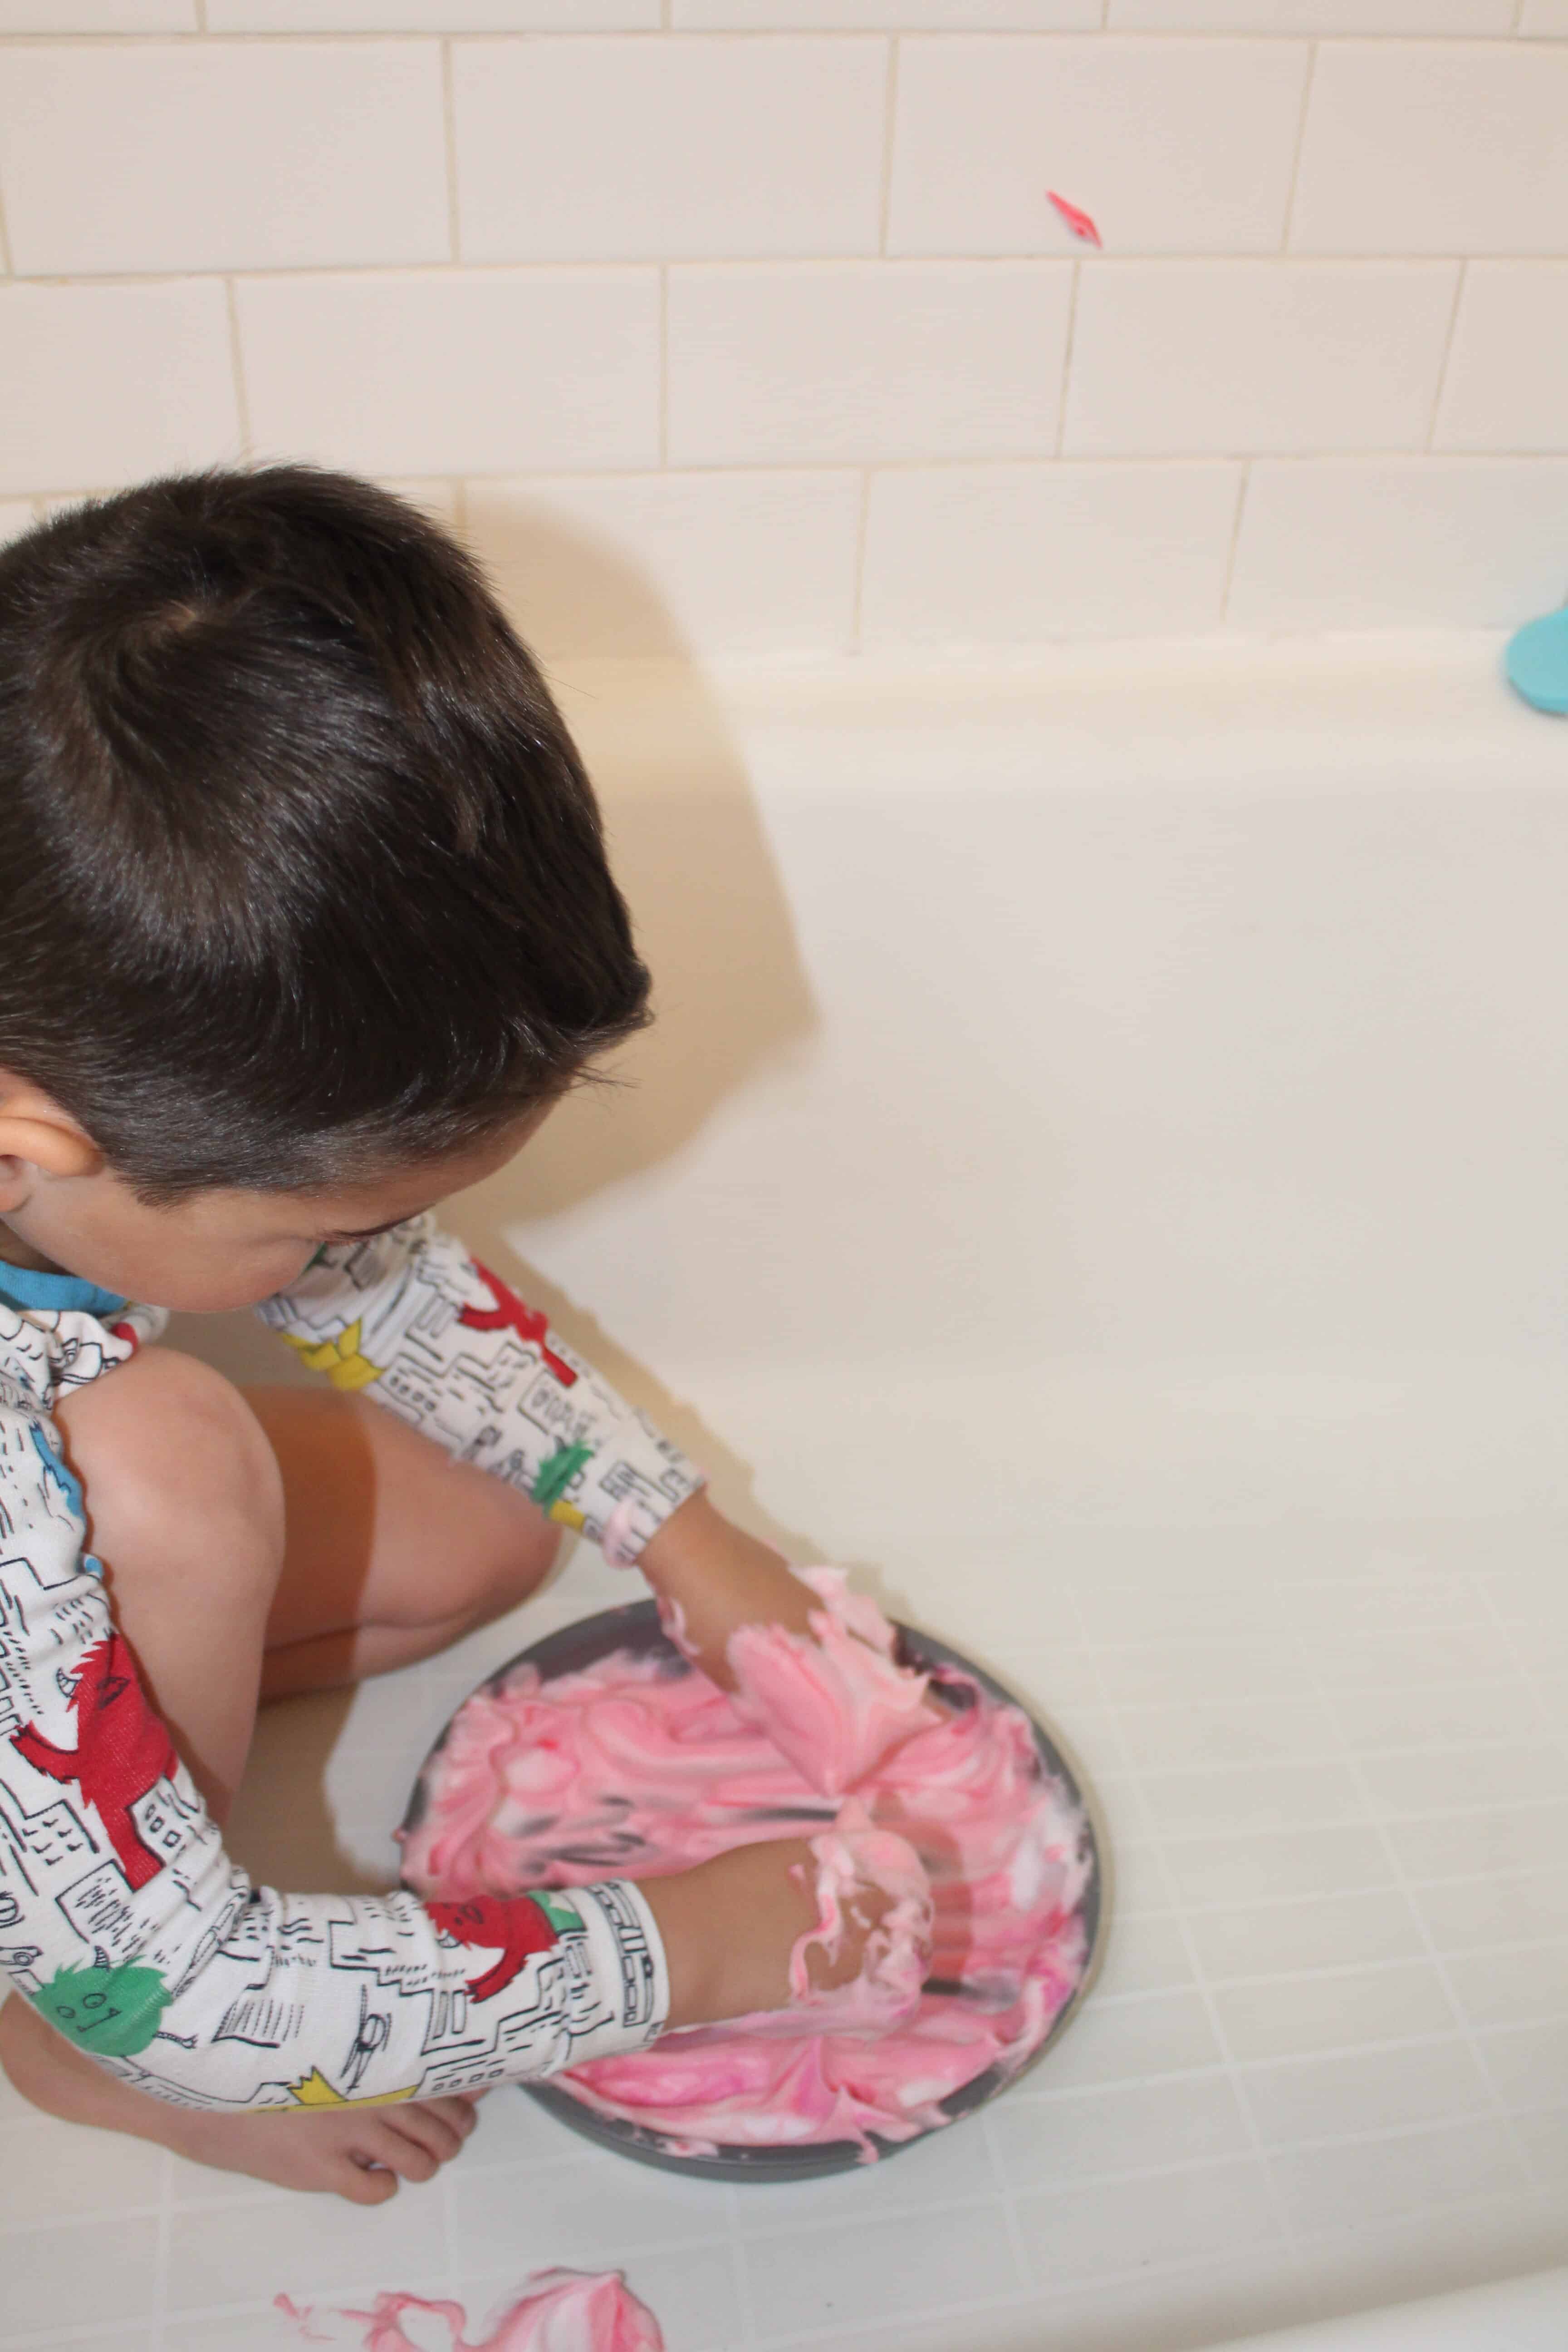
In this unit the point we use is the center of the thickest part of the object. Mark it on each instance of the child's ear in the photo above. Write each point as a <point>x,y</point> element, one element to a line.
<point>35,1132</point>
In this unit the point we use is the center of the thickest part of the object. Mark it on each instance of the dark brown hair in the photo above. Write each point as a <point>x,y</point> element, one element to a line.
<point>300,874</point>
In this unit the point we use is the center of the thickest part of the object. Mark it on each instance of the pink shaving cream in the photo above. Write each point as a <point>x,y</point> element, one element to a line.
<point>558,2311</point>
<point>638,1767</point>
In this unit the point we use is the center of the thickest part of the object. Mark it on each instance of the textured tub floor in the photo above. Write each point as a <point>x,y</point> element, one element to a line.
<point>1327,2064</point>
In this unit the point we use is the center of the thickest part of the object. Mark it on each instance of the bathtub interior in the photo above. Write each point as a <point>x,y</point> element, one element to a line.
<point>1099,1172</point>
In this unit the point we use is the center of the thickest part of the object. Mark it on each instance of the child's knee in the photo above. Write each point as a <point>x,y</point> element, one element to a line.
<point>173,1462</point>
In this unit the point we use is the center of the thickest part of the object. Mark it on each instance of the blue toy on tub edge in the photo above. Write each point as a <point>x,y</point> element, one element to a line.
<point>1536,659</point>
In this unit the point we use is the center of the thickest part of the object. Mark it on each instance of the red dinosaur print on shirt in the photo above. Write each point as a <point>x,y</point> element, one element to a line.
<point>514,1926</point>
<point>122,1750</point>
<point>508,1314</point>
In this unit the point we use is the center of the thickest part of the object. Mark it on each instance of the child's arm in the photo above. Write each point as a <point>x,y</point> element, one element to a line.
<point>717,1579</point>
<point>126,1926</point>
<point>124,1923</point>
<point>411,1322</point>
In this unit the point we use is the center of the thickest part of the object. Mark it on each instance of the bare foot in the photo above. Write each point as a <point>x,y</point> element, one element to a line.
<point>731,1924</point>
<point>360,2152</point>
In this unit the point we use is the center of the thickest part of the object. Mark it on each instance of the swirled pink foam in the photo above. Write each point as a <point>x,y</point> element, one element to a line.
<point>641,1765</point>
<point>558,2311</point>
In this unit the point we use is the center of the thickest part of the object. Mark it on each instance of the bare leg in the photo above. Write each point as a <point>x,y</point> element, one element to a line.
<point>327,1541</point>
<point>312,1541</point>
<point>393,1552</point>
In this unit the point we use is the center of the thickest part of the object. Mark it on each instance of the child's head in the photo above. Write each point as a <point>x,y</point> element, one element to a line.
<point>303,900</point>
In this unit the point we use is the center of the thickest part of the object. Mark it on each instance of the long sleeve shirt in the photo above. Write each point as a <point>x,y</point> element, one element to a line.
<point>122,1917</point>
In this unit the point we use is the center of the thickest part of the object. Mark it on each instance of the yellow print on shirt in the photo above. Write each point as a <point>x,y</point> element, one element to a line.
<point>313,2090</point>
<point>342,1358</point>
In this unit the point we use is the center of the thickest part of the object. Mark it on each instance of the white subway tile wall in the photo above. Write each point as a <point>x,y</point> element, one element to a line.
<point>1212,357</point>
<point>104,382</point>
<point>764,558</point>
<point>192,155</point>
<point>1009,554</point>
<point>1311,15</point>
<point>475,372</point>
<point>99,16</point>
<point>791,363</point>
<point>760,312</point>
<point>657,151</point>
<point>432,15</point>
<point>1186,146</point>
<point>1509,363</point>
<point>1401,542</point>
<point>1434,147</point>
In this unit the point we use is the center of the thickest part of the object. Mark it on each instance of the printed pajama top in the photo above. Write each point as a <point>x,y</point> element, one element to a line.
<point>122,1917</point>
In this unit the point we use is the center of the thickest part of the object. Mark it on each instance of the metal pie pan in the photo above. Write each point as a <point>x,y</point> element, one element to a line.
<point>637,1629</point>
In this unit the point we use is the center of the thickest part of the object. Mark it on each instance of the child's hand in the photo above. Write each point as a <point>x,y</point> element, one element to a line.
<point>731,1929</point>
<point>711,1577</point>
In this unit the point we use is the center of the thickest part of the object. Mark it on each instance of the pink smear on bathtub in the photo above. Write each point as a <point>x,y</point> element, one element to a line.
<point>558,2311</point>
<point>1076,219</point>
<point>641,1765</point>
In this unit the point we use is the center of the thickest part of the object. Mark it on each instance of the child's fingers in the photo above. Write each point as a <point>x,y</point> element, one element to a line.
<point>400,2150</point>
<point>460,2109</point>
<point>423,2144</point>
<point>361,2182</point>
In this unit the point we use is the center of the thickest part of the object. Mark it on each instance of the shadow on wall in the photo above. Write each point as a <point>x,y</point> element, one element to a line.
<point>686,844</point>
<point>689,850</point>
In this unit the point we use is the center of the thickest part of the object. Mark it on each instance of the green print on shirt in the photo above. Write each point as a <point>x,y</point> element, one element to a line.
<point>556,1474</point>
<point>113,2011</point>
<point>562,1914</point>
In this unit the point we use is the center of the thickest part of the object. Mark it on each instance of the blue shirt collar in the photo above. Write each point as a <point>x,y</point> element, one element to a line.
<point>21,1285</point>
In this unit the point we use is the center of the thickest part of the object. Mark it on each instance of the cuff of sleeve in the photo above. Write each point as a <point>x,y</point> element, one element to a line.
<point>638,1517</point>
<point>628,1965</point>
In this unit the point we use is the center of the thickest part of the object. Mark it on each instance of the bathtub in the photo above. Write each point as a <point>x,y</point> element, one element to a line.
<point>1101,1172</point>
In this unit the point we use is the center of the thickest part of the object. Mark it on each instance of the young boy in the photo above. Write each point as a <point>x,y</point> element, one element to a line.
<point>305,923</point>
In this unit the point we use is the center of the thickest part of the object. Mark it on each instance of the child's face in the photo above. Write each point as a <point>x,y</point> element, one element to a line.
<point>216,1250</point>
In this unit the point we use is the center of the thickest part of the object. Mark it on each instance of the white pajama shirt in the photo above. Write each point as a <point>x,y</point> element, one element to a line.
<point>122,1917</point>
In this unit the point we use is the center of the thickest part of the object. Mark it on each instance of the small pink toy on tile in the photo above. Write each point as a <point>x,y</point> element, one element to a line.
<point>1079,221</point>
<point>557,2311</point>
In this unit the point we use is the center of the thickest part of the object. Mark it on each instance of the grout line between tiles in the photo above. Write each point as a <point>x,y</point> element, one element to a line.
<point>889,119</point>
<point>862,531</point>
<point>163,2262</point>
<point>1230,2064</point>
<point>1438,1960</point>
<point>1031,261</point>
<point>664,365</point>
<point>1289,220</point>
<point>1010,2215</point>
<point>1067,341</point>
<point>236,368</point>
<point>1242,488</point>
<point>1461,278</point>
<point>449,144</point>
<point>742,2281</point>
<point>943,35</point>
<point>1233,2067</point>
<point>1236,2072</point>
